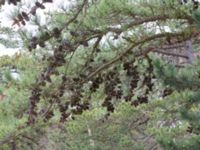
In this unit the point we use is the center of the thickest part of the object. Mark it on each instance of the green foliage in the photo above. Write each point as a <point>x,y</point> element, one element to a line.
<point>185,102</point>
<point>89,81</point>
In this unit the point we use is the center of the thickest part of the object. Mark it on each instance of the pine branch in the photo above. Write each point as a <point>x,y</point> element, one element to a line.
<point>148,39</point>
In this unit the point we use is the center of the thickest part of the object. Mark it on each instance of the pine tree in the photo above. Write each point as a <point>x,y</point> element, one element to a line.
<point>90,78</point>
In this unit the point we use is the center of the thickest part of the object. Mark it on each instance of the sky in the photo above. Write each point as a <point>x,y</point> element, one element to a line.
<point>6,21</point>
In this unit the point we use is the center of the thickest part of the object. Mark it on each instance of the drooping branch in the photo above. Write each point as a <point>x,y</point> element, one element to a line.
<point>125,27</point>
<point>145,40</point>
<point>160,51</point>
